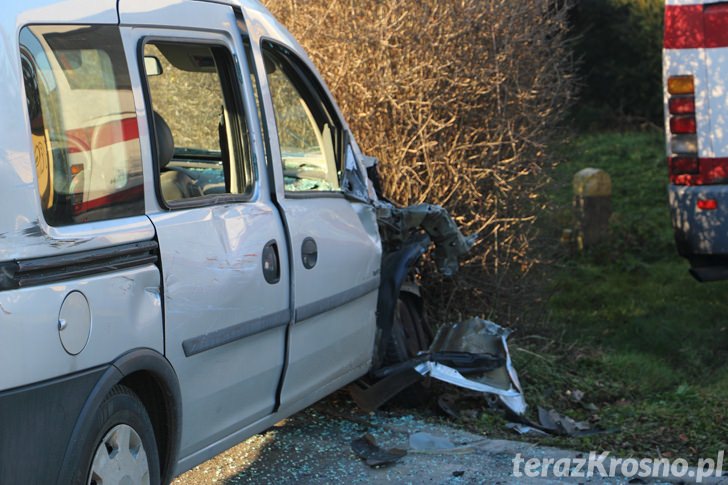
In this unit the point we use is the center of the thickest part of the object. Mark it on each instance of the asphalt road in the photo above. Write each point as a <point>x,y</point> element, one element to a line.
<point>314,447</point>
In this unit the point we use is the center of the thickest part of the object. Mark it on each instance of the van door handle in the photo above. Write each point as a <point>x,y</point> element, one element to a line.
<point>271,263</point>
<point>309,253</point>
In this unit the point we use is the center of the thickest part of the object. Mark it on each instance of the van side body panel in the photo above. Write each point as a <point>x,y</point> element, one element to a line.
<point>44,387</point>
<point>29,452</point>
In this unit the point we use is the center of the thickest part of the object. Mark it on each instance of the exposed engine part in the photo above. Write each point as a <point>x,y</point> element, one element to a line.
<point>397,225</point>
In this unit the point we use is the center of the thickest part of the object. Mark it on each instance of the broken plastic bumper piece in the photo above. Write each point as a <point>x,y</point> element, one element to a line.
<point>471,355</point>
<point>478,336</point>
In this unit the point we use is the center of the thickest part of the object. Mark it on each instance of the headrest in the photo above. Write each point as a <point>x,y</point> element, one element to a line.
<point>165,140</point>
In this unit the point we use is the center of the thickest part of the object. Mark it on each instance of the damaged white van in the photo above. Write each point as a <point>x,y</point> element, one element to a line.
<point>191,244</point>
<point>695,70</point>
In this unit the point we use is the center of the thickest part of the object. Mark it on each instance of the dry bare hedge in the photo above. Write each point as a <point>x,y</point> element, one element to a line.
<point>457,98</point>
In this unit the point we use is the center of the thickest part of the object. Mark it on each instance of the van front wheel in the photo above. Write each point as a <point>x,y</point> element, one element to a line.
<point>122,448</point>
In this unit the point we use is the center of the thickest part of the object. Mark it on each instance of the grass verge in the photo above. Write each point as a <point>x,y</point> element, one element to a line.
<point>626,325</point>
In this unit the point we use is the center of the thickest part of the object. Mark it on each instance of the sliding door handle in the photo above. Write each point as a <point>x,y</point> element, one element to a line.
<point>271,263</point>
<point>309,253</point>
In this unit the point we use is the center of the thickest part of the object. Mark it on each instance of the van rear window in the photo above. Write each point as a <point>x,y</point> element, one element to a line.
<point>83,123</point>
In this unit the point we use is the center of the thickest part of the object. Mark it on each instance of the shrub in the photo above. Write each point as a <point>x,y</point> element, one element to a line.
<point>620,44</point>
<point>457,98</point>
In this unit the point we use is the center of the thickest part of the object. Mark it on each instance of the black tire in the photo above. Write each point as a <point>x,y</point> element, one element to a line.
<point>121,409</point>
<point>410,333</point>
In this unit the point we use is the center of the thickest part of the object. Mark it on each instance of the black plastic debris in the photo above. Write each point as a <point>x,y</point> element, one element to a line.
<point>560,424</point>
<point>485,342</point>
<point>448,404</point>
<point>471,355</point>
<point>367,449</point>
<point>370,397</point>
<point>553,423</point>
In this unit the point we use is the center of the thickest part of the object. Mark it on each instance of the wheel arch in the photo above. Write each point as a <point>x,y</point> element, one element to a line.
<point>152,378</point>
<point>395,267</point>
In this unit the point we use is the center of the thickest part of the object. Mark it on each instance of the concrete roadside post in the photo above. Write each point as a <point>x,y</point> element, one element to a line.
<point>592,206</point>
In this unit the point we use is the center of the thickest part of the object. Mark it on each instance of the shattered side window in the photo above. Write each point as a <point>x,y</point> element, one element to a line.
<point>353,181</point>
<point>308,135</point>
<point>83,123</point>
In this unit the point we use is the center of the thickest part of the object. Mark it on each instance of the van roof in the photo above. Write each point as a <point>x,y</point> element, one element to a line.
<point>96,11</point>
<point>17,13</point>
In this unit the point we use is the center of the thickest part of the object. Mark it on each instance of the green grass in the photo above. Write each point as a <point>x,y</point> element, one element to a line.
<point>626,324</point>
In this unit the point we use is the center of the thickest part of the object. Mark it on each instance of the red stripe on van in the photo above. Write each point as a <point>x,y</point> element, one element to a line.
<point>715,21</point>
<point>711,171</point>
<point>684,27</point>
<point>696,26</point>
<point>131,194</point>
<point>117,131</point>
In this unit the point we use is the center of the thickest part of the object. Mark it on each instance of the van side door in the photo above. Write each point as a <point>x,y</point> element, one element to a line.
<point>226,293</point>
<point>334,240</point>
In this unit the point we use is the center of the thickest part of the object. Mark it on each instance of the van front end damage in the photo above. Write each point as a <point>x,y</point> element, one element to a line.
<point>398,225</point>
<point>406,235</point>
<point>471,355</point>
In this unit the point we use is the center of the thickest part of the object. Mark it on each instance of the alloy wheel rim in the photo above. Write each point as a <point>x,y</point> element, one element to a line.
<point>120,459</point>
